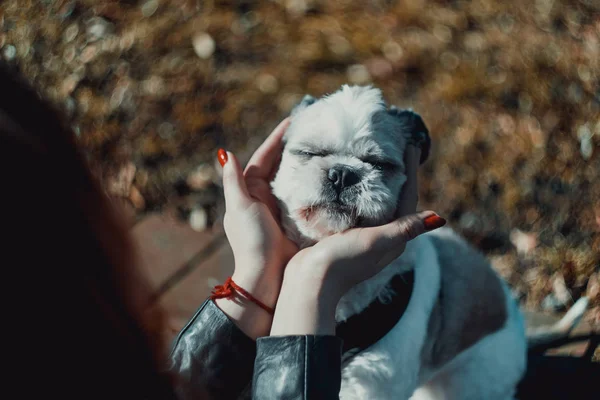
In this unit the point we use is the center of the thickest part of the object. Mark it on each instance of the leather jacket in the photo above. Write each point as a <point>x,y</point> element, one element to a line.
<point>213,359</point>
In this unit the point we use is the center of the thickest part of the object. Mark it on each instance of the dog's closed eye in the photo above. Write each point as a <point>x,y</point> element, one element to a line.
<point>303,153</point>
<point>309,153</point>
<point>380,164</point>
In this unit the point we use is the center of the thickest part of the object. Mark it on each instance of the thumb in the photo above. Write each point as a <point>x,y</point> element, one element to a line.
<point>234,185</point>
<point>409,227</point>
<point>390,239</point>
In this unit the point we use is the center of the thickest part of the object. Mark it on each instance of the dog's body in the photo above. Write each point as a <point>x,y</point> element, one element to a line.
<point>461,336</point>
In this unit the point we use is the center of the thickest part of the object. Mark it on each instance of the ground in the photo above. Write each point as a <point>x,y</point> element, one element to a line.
<point>509,90</point>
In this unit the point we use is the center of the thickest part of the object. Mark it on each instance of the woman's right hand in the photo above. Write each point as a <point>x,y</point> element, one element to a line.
<point>318,276</point>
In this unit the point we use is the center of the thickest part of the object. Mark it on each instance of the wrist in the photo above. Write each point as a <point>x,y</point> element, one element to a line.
<point>247,316</point>
<point>306,306</point>
<point>316,280</point>
<point>264,286</point>
<point>251,301</point>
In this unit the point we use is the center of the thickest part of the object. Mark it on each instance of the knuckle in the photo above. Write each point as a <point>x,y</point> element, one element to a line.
<point>229,222</point>
<point>319,256</point>
<point>369,244</point>
<point>409,228</point>
<point>226,220</point>
<point>228,176</point>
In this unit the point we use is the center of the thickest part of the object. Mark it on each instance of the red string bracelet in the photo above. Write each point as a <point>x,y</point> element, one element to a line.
<point>228,289</point>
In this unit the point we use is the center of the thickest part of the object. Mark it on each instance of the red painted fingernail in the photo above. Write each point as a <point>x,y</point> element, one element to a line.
<point>433,222</point>
<point>222,157</point>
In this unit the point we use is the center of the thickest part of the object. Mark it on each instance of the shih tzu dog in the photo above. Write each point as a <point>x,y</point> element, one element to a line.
<point>460,335</point>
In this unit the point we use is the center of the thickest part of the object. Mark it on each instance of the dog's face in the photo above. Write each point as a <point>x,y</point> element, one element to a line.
<point>343,163</point>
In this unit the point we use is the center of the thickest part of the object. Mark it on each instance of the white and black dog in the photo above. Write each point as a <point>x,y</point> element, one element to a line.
<point>460,335</point>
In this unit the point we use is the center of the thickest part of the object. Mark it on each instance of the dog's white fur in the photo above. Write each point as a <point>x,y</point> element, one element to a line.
<point>462,336</point>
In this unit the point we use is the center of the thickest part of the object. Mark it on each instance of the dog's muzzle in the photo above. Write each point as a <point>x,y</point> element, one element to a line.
<point>339,186</point>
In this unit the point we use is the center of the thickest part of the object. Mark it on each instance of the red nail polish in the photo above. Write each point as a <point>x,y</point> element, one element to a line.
<point>433,222</point>
<point>222,157</point>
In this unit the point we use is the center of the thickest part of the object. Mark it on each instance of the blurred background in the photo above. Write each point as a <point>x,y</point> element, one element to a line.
<point>510,91</point>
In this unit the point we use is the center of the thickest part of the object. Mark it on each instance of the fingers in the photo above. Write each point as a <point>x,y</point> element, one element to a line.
<point>407,203</point>
<point>388,240</point>
<point>234,186</point>
<point>265,158</point>
<point>409,227</point>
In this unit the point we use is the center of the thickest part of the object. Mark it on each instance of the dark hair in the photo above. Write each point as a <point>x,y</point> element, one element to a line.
<point>76,313</point>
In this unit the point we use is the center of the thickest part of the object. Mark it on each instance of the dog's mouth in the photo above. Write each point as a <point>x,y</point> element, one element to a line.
<point>331,210</point>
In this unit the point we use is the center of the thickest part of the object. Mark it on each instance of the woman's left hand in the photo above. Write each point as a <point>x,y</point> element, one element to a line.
<point>260,247</point>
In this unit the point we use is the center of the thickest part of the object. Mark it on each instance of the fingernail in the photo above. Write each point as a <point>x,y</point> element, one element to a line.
<point>433,222</point>
<point>222,157</point>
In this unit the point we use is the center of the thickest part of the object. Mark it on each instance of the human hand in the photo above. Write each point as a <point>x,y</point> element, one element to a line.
<point>260,248</point>
<point>318,276</point>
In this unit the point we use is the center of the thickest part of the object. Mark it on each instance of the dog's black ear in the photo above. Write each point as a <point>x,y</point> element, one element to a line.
<point>419,134</point>
<point>306,101</point>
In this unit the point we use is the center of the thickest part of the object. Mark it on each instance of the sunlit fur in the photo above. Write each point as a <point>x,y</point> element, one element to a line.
<point>462,336</point>
<point>349,126</point>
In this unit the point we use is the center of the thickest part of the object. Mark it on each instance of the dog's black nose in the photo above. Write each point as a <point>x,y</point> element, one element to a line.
<point>342,177</point>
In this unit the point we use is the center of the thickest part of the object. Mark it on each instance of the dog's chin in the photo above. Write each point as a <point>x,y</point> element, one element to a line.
<point>320,221</point>
<point>317,222</point>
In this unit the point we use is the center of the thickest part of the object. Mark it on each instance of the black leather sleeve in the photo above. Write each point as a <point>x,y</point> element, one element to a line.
<point>211,357</point>
<point>297,368</point>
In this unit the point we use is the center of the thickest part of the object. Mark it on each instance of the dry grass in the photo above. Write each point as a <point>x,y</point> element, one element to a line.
<point>509,90</point>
